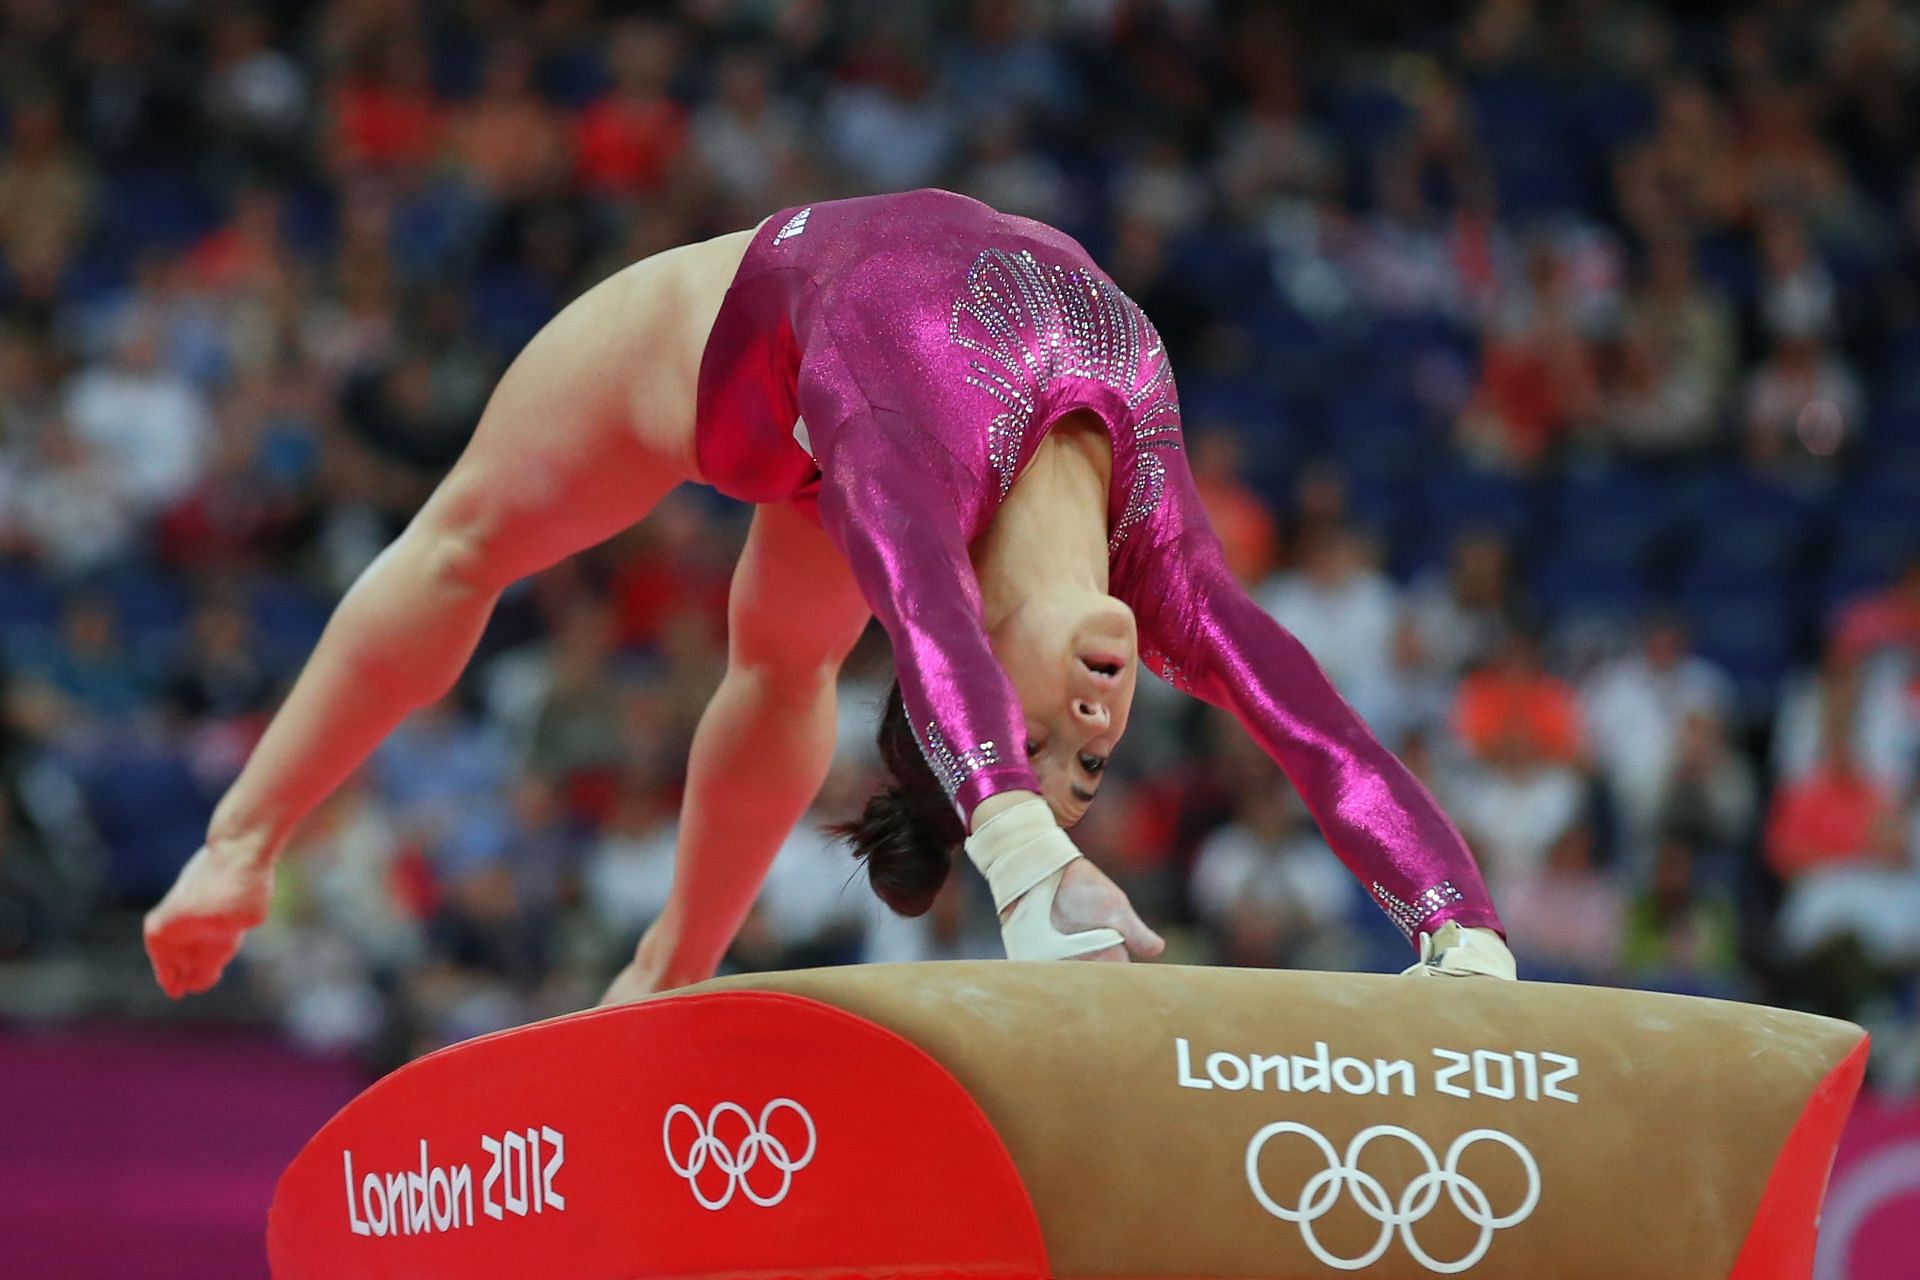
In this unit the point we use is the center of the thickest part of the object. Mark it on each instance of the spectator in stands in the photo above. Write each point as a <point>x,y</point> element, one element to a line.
<point>1636,710</point>
<point>348,875</point>
<point>1004,171</point>
<point>1683,174</point>
<point>626,143</point>
<point>1866,699</point>
<point>1273,156</point>
<point>1461,614</point>
<point>148,426</point>
<point>255,93</point>
<point>439,769</point>
<point>1883,621</point>
<point>513,145</point>
<point>1802,407</point>
<point>629,869</point>
<point>1834,815</point>
<point>90,670</point>
<point>1682,931</point>
<point>1862,913</point>
<point>1248,533</point>
<point>1711,798</point>
<point>1005,61</point>
<point>383,114</point>
<point>748,138</point>
<point>1418,696</point>
<point>1515,804</point>
<point>1266,884</point>
<point>1344,610</point>
<point>1656,408</point>
<point>806,915</point>
<point>1797,292</point>
<point>1567,917</point>
<point>46,191</point>
<point>1690,328</point>
<point>70,509</point>
<point>1538,382</point>
<point>1514,704</point>
<point>576,732</point>
<point>221,675</point>
<point>883,121</point>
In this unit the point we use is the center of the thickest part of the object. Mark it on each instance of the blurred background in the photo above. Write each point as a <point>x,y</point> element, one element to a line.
<point>1552,369</point>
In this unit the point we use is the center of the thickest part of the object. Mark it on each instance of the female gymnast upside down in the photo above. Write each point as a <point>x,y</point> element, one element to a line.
<point>948,419</point>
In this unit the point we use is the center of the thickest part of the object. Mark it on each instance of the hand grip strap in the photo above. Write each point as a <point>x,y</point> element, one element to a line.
<point>1023,853</point>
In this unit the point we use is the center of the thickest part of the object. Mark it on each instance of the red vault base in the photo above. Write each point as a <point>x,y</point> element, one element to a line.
<point>738,1134</point>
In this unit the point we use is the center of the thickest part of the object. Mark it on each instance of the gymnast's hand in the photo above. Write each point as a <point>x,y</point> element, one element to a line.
<point>1053,903</point>
<point>222,892</point>
<point>1089,899</point>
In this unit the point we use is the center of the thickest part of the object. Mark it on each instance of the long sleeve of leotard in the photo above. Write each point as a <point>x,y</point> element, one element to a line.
<point>890,497</point>
<point>1202,632</point>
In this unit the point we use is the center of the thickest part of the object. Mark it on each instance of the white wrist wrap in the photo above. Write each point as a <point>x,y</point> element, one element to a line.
<point>1023,853</point>
<point>1457,951</point>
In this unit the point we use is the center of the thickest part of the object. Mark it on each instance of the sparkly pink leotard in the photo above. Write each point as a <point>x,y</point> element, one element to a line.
<point>895,360</point>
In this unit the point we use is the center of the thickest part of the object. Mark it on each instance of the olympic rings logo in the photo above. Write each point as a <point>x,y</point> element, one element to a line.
<point>1342,1173</point>
<point>737,1162</point>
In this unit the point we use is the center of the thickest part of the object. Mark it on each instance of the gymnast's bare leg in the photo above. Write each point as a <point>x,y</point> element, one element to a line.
<point>589,428</point>
<point>763,746</point>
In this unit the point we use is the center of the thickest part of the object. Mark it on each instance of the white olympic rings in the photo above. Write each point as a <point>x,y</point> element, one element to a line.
<point>1320,1191</point>
<point>756,1143</point>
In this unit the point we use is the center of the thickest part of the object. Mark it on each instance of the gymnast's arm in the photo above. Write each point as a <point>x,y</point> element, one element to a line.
<point>1201,630</point>
<point>889,496</point>
<point>554,466</point>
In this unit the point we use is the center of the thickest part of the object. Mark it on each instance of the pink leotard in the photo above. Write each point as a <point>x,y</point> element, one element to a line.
<point>891,362</point>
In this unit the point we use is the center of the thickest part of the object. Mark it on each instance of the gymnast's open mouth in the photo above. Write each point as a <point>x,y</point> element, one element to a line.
<point>1102,666</point>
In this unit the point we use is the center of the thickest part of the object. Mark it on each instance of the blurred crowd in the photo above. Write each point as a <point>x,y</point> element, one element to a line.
<point>1553,370</point>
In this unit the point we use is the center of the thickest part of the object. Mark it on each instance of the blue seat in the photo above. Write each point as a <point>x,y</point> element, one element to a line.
<point>1750,626</point>
<point>1575,591</point>
<point>1458,498</point>
<point>1376,504</point>
<point>1377,433</point>
<point>1612,519</point>
<point>153,607</point>
<point>29,605</point>
<point>1844,582</point>
<point>510,306</point>
<point>1739,522</point>
<point>155,206</point>
<point>1365,112</point>
<point>287,619</point>
<point>1398,341</point>
<point>1243,402</point>
<point>1876,524</point>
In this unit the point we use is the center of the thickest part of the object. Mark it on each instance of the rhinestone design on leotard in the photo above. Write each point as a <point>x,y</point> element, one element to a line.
<point>1409,916</point>
<point>1034,324</point>
<point>951,767</point>
<point>1167,669</point>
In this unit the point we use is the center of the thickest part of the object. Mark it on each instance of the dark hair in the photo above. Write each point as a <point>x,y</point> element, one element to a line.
<point>908,832</point>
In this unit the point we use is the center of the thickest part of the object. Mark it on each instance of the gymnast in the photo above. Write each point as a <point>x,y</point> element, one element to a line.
<point>946,418</point>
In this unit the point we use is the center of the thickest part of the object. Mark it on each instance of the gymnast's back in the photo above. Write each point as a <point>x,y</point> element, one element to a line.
<point>957,331</point>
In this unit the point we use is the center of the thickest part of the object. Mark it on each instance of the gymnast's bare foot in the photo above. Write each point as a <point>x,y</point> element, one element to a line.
<point>653,967</point>
<point>191,936</point>
<point>631,983</point>
<point>1088,899</point>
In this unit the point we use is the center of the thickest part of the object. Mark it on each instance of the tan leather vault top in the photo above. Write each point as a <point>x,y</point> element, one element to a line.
<point>1172,1121</point>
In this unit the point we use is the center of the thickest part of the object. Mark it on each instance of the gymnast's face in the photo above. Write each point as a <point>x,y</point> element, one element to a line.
<point>1072,659</point>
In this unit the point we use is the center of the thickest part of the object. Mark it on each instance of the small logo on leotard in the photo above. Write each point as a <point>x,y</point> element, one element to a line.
<point>795,225</point>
